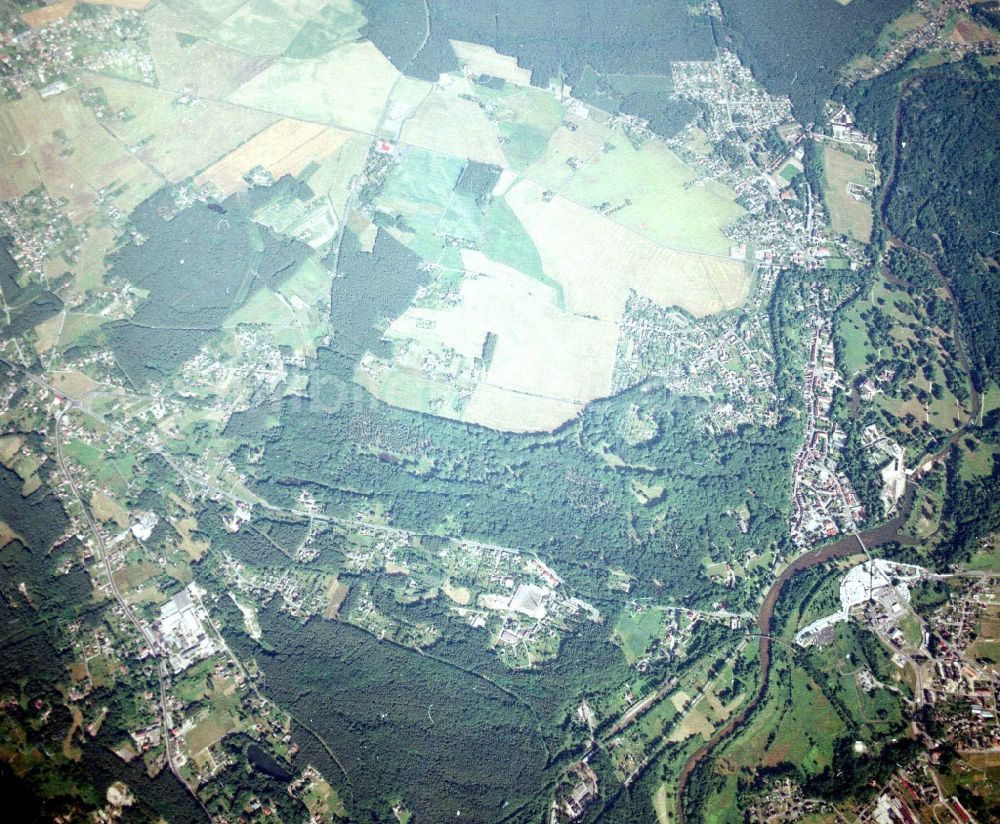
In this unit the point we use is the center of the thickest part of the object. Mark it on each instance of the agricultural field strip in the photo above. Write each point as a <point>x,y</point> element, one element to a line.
<point>373,135</point>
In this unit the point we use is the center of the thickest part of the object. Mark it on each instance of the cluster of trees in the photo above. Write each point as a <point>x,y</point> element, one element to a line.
<point>943,199</point>
<point>198,268</point>
<point>28,305</point>
<point>972,508</point>
<point>371,289</point>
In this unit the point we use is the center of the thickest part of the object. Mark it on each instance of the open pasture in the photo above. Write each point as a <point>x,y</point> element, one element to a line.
<point>58,142</point>
<point>650,189</point>
<point>528,118</point>
<point>264,27</point>
<point>183,59</point>
<point>177,141</point>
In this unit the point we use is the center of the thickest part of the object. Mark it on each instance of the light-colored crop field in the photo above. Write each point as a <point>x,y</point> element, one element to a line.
<point>661,804</point>
<point>105,509</point>
<point>90,267</point>
<point>72,384</point>
<point>264,26</point>
<point>477,59</point>
<point>547,363</point>
<point>452,125</point>
<point>177,141</point>
<point>694,723</point>
<point>528,120</point>
<point>347,87</point>
<point>508,411</point>
<point>209,730</point>
<point>134,5</point>
<point>848,216</point>
<point>284,148</point>
<point>43,16</point>
<point>666,200</point>
<point>460,595</point>
<point>598,261</point>
<point>335,594</point>
<point>7,535</point>
<point>212,69</point>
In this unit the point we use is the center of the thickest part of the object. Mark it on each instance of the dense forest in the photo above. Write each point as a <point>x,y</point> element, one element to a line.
<point>945,203</point>
<point>554,493</point>
<point>798,48</point>
<point>561,41</point>
<point>447,740</point>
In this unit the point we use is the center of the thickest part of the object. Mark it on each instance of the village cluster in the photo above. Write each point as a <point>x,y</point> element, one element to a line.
<point>824,503</point>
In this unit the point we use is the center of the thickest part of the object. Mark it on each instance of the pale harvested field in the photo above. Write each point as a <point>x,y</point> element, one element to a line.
<point>679,699</point>
<point>37,18</point>
<point>7,535</point>
<point>72,384</point>
<point>285,147</point>
<point>10,445</point>
<point>510,412</point>
<point>460,595</point>
<point>584,143</point>
<point>847,215</point>
<point>90,268</point>
<point>598,261</point>
<point>660,805</point>
<point>547,363</point>
<point>451,125</point>
<point>540,350</point>
<point>122,4</point>
<point>478,59</point>
<point>693,724</point>
<point>347,87</point>
<point>195,548</point>
<point>185,139</point>
<point>335,595</point>
<point>105,509</point>
<point>407,96</point>
<point>47,333</point>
